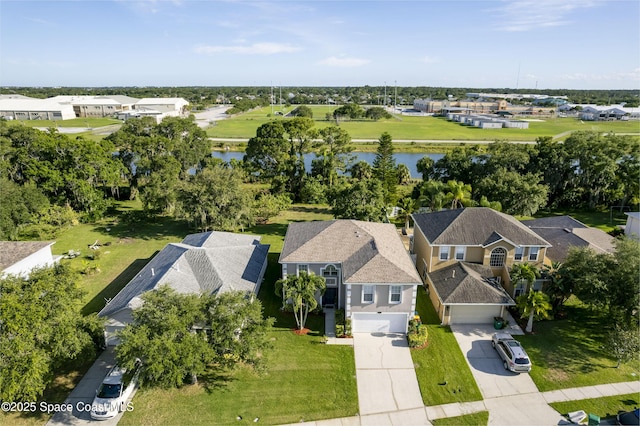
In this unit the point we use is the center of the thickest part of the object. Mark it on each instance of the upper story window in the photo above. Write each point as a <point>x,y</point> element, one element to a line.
<point>395,294</point>
<point>444,252</point>
<point>533,253</point>
<point>368,293</point>
<point>498,256</point>
<point>303,268</point>
<point>330,271</point>
<point>460,253</point>
<point>519,253</point>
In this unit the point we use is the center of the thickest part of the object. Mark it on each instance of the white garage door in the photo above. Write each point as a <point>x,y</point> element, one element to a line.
<point>469,314</point>
<point>380,323</point>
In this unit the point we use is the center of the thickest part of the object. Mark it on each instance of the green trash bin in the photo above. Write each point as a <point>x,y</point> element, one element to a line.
<point>498,323</point>
<point>594,420</point>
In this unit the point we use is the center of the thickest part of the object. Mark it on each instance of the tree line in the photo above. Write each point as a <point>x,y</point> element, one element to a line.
<point>51,180</point>
<point>201,97</point>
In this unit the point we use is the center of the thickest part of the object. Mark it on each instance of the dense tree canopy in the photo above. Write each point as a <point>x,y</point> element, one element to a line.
<point>179,337</point>
<point>41,328</point>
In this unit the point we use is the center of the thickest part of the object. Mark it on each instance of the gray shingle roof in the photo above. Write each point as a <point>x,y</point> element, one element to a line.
<point>369,252</point>
<point>564,232</point>
<point>468,283</point>
<point>11,252</point>
<point>475,226</point>
<point>214,262</point>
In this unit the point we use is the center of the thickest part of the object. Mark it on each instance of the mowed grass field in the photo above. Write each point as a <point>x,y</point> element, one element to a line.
<point>420,128</point>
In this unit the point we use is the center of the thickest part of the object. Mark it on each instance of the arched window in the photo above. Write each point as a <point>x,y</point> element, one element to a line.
<point>498,255</point>
<point>330,271</point>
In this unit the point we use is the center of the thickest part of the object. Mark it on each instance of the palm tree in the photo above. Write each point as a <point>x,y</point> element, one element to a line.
<point>432,195</point>
<point>459,193</point>
<point>534,304</point>
<point>524,272</point>
<point>557,285</point>
<point>300,291</point>
<point>408,206</point>
<point>404,174</point>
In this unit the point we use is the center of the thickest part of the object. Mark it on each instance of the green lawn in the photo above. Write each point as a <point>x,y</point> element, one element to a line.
<point>480,418</point>
<point>420,128</point>
<point>570,352</point>
<point>443,374</point>
<point>74,122</point>
<point>606,407</point>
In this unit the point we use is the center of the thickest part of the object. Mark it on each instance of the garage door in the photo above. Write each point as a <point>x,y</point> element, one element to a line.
<point>380,323</point>
<point>469,314</point>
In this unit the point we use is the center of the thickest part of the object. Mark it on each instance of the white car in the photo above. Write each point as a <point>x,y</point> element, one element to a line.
<point>514,357</point>
<point>112,395</point>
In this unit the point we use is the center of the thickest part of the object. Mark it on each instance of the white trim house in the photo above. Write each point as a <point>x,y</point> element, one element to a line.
<point>367,268</point>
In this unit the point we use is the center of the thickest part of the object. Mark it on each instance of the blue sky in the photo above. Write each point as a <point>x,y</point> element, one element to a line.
<point>586,44</point>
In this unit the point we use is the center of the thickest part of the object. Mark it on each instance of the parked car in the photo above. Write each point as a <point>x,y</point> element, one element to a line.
<point>512,353</point>
<point>628,417</point>
<point>114,391</point>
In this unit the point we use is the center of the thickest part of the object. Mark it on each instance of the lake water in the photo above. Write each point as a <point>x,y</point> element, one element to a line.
<point>410,160</point>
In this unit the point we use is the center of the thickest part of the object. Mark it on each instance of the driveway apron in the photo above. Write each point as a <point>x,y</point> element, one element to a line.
<point>385,374</point>
<point>510,398</point>
<point>83,394</point>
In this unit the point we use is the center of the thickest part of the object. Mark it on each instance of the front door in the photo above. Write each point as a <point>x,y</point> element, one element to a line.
<point>330,297</point>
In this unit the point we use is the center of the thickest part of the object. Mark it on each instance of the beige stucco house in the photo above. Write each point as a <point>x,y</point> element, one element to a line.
<point>463,257</point>
<point>367,269</point>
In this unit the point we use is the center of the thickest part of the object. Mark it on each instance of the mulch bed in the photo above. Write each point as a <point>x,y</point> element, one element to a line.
<point>300,332</point>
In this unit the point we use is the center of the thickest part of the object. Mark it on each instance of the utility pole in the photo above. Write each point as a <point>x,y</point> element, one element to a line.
<point>384,103</point>
<point>271,98</point>
<point>395,95</point>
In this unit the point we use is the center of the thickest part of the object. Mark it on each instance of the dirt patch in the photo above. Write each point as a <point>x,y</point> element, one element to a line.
<point>556,375</point>
<point>300,332</point>
<point>126,240</point>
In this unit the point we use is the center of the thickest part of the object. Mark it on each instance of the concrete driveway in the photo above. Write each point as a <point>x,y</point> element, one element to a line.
<point>510,398</point>
<point>486,365</point>
<point>82,395</point>
<point>386,377</point>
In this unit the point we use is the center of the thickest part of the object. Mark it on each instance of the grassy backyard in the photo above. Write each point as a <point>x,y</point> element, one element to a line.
<point>443,374</point>
<point>571,352</point>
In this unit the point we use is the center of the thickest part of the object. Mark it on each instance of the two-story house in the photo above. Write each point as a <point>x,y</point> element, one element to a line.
<point>367,269</point>
<point>464,257</point>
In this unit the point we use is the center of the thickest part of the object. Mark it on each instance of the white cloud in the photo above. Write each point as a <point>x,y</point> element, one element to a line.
<point>344,62</point>
<point>253,49</point>
<point>529,15</point>
<point>614,76</point>
<point>430,60</point>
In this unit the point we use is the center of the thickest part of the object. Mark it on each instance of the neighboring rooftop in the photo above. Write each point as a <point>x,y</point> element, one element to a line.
<point>12,252</point>
<point>564,232</point>
<point>475,226</point>
<point>205,263</point>
<point>468,283</point>
<point>369,252</point>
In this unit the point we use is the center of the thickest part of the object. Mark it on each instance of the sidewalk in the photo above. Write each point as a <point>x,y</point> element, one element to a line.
<point>460,409</point>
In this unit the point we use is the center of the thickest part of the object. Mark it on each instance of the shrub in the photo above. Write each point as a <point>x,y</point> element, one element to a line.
<point>339,330</point>
<point>347,328</point>
<point>417,337</point>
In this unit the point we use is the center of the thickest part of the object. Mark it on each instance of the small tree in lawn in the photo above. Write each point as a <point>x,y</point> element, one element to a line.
<point>300,291</point>
<point>534,304</point>
<point>623,343</point>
